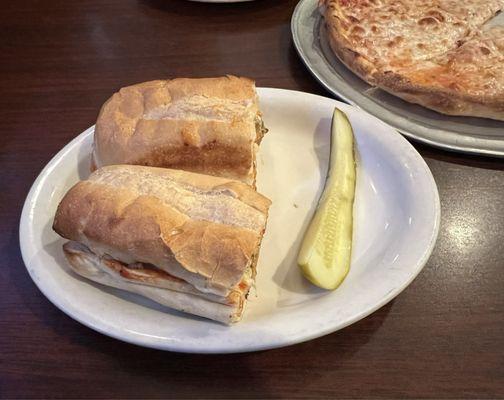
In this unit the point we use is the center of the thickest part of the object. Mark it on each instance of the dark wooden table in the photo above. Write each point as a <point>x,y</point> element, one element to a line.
<point>59,60</point>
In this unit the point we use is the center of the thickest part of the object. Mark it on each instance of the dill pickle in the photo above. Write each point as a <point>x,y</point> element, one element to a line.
<point>326,250</point>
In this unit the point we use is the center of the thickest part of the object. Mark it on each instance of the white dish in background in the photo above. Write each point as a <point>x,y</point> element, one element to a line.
<point>471,135</point>
<point>396,224</point>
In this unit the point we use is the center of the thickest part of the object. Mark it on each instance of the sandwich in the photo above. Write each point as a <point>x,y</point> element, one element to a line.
<point>210,125</point>
<point>185,240</point>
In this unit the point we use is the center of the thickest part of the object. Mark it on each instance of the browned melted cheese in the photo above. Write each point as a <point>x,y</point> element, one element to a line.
<point>439,44</point>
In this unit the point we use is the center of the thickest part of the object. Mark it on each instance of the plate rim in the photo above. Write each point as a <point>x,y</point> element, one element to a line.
<point>136,339</point>
<point>298,14</point>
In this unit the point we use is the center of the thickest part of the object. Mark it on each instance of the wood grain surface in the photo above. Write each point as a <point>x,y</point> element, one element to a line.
<point>443,337</point>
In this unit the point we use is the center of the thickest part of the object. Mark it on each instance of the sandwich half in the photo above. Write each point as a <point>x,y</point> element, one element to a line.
<point>209,125</point>
<point>185,240</point>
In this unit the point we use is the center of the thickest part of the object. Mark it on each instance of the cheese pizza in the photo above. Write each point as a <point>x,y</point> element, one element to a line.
<point>435,53</point>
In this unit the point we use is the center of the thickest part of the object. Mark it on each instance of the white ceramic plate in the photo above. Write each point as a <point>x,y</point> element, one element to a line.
<point>396,225</point>
<point>470,135</point>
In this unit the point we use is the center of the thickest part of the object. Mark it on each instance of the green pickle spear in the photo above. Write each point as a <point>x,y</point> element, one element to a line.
<point>326,250</point>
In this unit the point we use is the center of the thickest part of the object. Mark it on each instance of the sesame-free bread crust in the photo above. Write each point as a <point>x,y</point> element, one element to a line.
<point>202,229</point>
<point>207,125</point>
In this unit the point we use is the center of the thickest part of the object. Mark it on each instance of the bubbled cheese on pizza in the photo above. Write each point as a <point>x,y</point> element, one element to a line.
<point>436,53</point>
<point>476,67</point>
<point>474,12</point>
<point>394,34</point>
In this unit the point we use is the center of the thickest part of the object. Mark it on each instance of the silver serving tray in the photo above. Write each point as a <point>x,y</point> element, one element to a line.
<point>465,134</point>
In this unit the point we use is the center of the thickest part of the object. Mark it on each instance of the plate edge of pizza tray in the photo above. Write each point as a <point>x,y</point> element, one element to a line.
<point>414,121</point>
<point>395,253</point>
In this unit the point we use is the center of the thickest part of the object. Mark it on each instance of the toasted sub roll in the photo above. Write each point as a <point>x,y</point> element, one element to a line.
<point>210,125</point>
<point>147,230</point>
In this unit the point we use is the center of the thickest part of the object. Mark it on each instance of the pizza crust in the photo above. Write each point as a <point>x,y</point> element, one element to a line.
<point>445,102</point>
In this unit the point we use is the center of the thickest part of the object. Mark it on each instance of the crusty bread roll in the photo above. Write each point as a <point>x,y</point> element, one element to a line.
<point>210,126</point>
<point>184,232</point>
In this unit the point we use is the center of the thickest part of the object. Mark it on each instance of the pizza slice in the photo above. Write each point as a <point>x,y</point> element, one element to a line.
<point>466,81</point>
<point>474,12</point>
